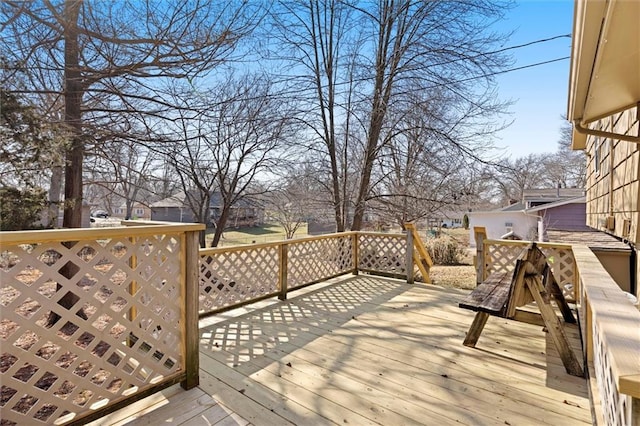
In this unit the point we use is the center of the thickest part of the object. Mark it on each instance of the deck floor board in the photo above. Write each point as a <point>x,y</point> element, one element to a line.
<point>367,350</point>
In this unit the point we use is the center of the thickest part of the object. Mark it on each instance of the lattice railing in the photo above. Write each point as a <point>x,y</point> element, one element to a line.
<point>501,255</point>
<point>89,318</point>
<point>385,253</point>
<point>233,276</point>
<point>609,325</point>
<point>319,259</point>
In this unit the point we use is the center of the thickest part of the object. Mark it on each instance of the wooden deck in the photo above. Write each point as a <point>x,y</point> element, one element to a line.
<point>369,351</point>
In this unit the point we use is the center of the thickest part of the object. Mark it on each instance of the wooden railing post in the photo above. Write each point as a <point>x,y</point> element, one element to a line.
<point>480,234</point>
<point>409,256</point>
<point>354,241</point>
<point>283,252</point>
<point>421,256</point>
<point>191,304</point>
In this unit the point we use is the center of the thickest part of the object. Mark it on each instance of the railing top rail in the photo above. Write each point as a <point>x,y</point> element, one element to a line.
<point>618,321</point>
<point>525,243</point>
<point>299,240</point>
<point>79,234</point>
<point>382,234</point>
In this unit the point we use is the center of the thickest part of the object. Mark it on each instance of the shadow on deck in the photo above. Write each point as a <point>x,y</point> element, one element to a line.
<point>366,350</point>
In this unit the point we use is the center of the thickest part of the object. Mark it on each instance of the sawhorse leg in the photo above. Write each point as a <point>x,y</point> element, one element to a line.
<point>476,328</point>
<point>551,285</point>
<point>554,327</point>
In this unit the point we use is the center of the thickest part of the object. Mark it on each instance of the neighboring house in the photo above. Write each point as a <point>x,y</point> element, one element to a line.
<point>604,103</point>
<point>138,211</point>
<point>540,210</point>
<point>445,219</point>
<point>176,209</point>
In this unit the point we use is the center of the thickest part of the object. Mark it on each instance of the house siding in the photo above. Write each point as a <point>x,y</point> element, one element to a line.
<point>171,214</point>
<point>524,226</point>
<point>613,186</point>
<point>570,217</point>
<point>613,170</point>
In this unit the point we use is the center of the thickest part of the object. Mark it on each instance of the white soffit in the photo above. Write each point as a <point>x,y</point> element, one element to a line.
<point>605,69</point>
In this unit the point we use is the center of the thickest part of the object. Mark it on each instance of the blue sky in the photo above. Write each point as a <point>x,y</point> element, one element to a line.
<point>539,93</point>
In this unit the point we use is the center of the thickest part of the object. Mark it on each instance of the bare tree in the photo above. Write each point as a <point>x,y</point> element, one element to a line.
<point>125,166</point>
<point>286,208</point>
<point>190,155</point>
<point>248,129</point>
<point>564,168</point>
<point>425,44</point>
<point>418,172</point>
<point>232,135</point>
<point>352,62</point>
<point>567,167</point>
<point>318,37</point>
<point>514,176</point>
<point>105,58</point>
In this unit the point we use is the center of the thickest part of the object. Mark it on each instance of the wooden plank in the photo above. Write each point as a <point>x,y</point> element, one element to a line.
<point>387,330</point>
<point>142,406</point>
<point>357,354</point>
<point>490,296</point>
<point>413,372</point>
<point>83,234</point>
<point>188,409</point>
<point>377,404</point>
<point>554,327</point>
<point>251,410</point>
<point>290,400</point>
<point>231,420</point>
<point>430,390</point>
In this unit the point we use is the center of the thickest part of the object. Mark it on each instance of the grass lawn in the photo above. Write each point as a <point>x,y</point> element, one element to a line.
<point>254,235</point>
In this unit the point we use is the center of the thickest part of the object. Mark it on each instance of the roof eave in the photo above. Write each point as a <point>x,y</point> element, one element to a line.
<point>605,62</point>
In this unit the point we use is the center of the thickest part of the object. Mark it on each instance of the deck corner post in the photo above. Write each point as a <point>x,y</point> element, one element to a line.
<point>283,254</point>
<point>409,257</point>
<point>191,293</point>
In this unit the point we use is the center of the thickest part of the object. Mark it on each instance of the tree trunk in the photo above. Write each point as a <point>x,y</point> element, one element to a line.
<point>73,118</point>
<point>75,153</point>
<point>369,158</point>
<point>220,225</point>
<point>55,189</point>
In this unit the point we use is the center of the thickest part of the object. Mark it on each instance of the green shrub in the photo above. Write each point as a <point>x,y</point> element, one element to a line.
<point>20,209</point>
<point>445,250</point>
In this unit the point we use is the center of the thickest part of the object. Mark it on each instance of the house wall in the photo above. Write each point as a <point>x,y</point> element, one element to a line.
<point>613,178</point>
<point>613,175</point>
<point>171,214</point>
<point>570,217</point>
<point>524,226</point>
<point>139,211</point>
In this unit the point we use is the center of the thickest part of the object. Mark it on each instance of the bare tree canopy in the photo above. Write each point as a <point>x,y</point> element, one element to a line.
<point>354,62</point>
<point>104,58</point>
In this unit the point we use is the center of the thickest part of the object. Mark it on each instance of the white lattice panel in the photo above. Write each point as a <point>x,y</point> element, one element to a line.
<point>86,324</point>
<point>616,407</point>
<point>311,261</point>
<point>232,277</point>
<point>502,258</point>
<point>383,253</point>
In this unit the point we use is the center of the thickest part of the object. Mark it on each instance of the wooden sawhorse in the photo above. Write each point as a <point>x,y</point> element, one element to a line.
<point>501,294</point>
